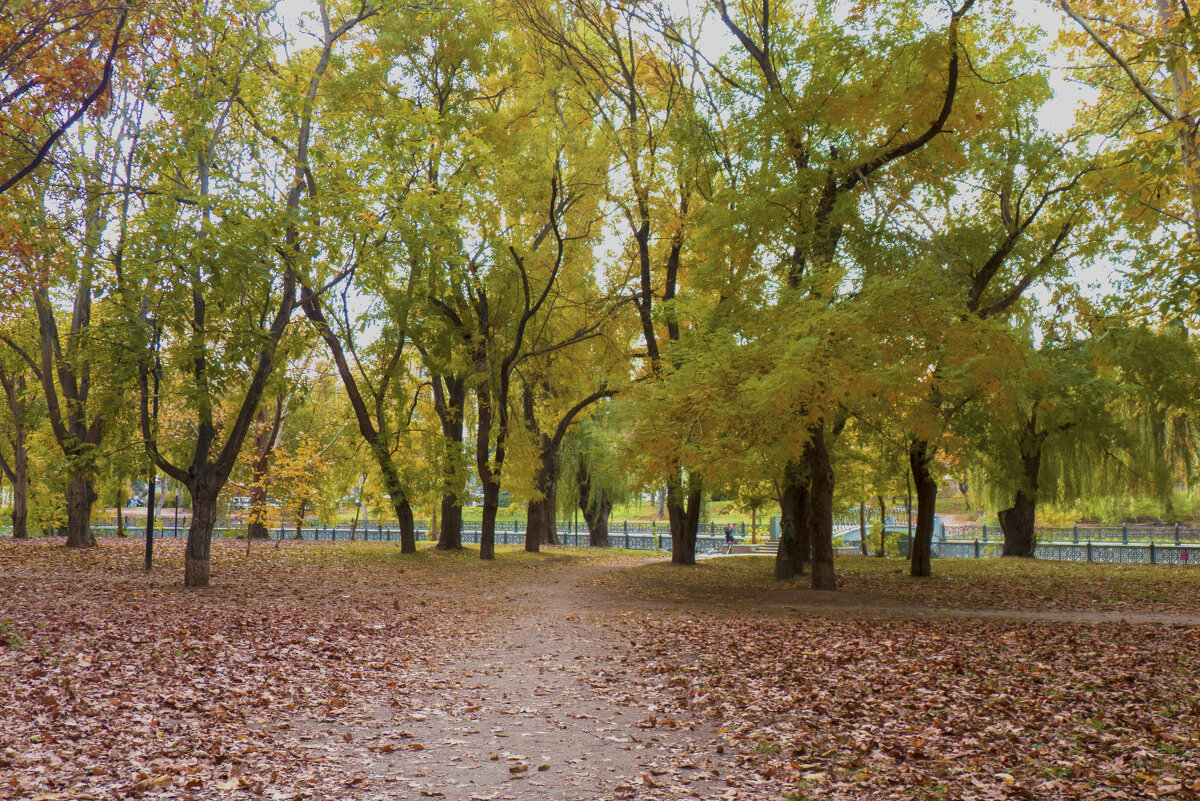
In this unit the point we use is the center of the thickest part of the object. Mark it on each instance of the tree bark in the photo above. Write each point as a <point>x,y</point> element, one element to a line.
<point>820,510</point>
<point>80,497</point>
<point>1017,522</point>
<point>920,459</point>
<point>266,432</point>
<point>541,518</point>
<point>862,528</point>
<point>882,528</point>
<point>17,470</point>
<point>595,510</point>
<point>449,401</point>
<point>793,508</point>
<point>199,538</point>
<point>685,520</point>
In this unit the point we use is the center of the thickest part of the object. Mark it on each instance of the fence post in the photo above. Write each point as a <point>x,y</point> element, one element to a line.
<point>627,537</point>
<point>977,548</point>
<point>1075,535</point>
<point>1177,534</point>
<point>985,532</point>
<point>1124,534</point>
<point>1089,550</point>
<point>1152,552</point>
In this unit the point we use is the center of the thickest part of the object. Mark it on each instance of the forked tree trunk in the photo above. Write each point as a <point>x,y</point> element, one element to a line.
<point>820,511</point>
<point>80,498</point>
<point>541,516</point>
<point>920,459</point>
<point>595,510</point>
<point>685,520</point>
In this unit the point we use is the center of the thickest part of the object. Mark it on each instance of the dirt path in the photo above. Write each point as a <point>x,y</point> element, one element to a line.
<point>542,708</point>
<point>540,711</point>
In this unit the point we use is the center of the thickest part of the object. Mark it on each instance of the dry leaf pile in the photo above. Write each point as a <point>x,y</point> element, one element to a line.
<point>855,709</point>
<point>114,683</point>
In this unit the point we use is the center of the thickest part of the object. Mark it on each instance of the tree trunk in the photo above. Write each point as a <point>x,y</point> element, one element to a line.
<point>450,529</point>
<point>793,506</point>
<point>595,510</point>
<point>199,538</point>
<point>300,519</point>
<point>1017,522</point>
<point>920,460</point>
<point>487,525</point>
<point>819,520</point>
<point>450,404</point>
<point>541,516</point>
<point>882,528</point>
<point>862,528</point>
<point>684,520</point>
<point>257,529</point>
<point>266,431</point>
<point>408,525</point>
<point>120,517</point>
<point>20,512</point>
<point>80,497</point>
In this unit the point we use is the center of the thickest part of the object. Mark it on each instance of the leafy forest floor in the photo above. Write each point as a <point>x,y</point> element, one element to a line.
<point>351,671</point>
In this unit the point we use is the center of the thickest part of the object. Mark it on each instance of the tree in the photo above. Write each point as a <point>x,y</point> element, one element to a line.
<point>226,117</point>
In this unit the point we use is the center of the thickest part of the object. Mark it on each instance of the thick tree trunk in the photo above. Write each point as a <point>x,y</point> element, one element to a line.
<point>450,528</point>
<point>450,403</point>
<point>819,520</point>
<point>199,538</point>
<point>1017,522</point>
<point>793,506</point>
<point>684,520</point>
<point>80,497</point>
<point>120,517</point>
<point>920,459</point>
<point>408,525</point>
<point>541,517</point>
<point>595,510</point>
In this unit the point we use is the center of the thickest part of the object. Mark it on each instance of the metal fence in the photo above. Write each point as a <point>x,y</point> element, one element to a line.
<point>1075,535</point>
<point>633,536</point>
<point>1149,552</point>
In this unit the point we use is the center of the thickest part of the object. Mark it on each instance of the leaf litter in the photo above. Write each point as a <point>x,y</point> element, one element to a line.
<point>351,672</point>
